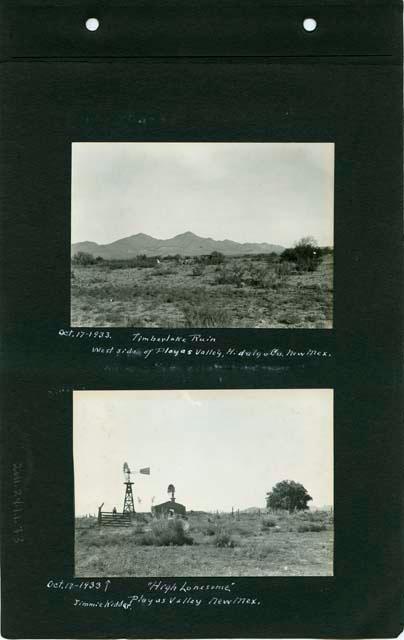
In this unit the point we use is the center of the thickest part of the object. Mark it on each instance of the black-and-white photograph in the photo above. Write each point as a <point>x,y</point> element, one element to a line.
<point>201,234</point>
<point>203,482</point>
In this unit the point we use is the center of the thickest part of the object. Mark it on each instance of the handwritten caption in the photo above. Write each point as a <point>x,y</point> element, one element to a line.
<point>157,594</point>
<point>192,345</point>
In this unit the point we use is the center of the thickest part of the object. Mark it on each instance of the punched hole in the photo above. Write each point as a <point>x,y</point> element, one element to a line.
<point>309,24</point>
<point>92,24</point>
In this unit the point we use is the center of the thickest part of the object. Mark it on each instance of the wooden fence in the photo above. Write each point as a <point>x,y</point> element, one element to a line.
<point>112,519</point>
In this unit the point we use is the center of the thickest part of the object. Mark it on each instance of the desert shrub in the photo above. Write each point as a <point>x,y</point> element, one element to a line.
<point>262,277</point>
<point>224,539</point>
<point>268,523</point>
<point>264,551</point>
<point>83,259</point>
<point>210,530</point>
<point>142,517</point>
<point>216,257</point>
<point>165,533</point>
<point>284,269</point>
<point>311,526</point>
<point>141,261</point>
<point>306,255</point>
<point>230,274</point>
<point>289,317</point>
<point>134,321</point>
<point>244,530</point>
<point>272,257</point>
<point>312,516</point>
<point>163,270</point>
<point>198,270</point>
<point>205,315</point>
<point>144,261</point>
<point>139,528</point>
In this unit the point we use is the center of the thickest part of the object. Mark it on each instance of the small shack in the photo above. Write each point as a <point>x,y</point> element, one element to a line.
<point>170,508</point>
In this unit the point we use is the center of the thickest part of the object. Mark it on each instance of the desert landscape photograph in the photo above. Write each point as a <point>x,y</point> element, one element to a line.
<point>203,483</point>
<point>197,235</point>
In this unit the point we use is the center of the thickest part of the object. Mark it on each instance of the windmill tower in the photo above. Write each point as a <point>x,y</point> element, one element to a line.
<point>128,503</point>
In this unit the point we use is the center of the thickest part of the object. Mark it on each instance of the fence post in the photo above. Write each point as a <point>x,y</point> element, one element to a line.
<point>99,513</point>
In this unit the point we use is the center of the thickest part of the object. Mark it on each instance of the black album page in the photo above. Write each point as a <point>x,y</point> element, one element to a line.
<point>201,278</point>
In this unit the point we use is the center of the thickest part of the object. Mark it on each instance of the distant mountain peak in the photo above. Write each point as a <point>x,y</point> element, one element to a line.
<point>187,234</point>
<point>137,235</point>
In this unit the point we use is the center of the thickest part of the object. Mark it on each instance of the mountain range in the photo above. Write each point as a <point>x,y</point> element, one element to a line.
<point>184,244</point>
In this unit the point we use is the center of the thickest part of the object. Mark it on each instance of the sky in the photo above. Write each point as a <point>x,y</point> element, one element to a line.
<point>220,448</point>
<point>246,192</point>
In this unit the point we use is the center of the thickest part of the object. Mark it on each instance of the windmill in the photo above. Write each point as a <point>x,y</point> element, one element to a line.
<point>128,503</point>
<point>171,489</point>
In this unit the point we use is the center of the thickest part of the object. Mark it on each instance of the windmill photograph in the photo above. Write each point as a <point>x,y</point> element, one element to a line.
<point>202,235</point>
<point>214,483</point>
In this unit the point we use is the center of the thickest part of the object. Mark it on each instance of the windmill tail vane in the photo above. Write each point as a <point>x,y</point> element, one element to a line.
<point>145,471</point>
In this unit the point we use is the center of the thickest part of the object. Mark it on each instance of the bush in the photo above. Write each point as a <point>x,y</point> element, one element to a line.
<point>165,533</point>
<point>206,316</point>
<point>230,275</point>
<point>197,271</point>
<point>289,317</point>
<point>138,262</point>
<point>163,270</point>
<point>211,530</point>
<point>311,526</point>
<point>83,259</point>
<point>134,321</point>
<point>216,257</point>
<point>313,516</point>
<point>258,275</point>
<point>262,277</point>
<point>224,539</point>
<point>268,523</point>
<point>265,551</point>
<point>144,261</point>
<point>285,269</point>
<point>305,254</point>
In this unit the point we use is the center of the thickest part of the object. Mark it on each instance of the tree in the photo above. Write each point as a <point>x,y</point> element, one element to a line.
<point>288,495</point>
<point>305,254</point>
<point>83,258</point>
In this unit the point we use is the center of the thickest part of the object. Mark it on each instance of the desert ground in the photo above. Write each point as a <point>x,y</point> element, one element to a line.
<point>243,291</point>
<point>251,544</point>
